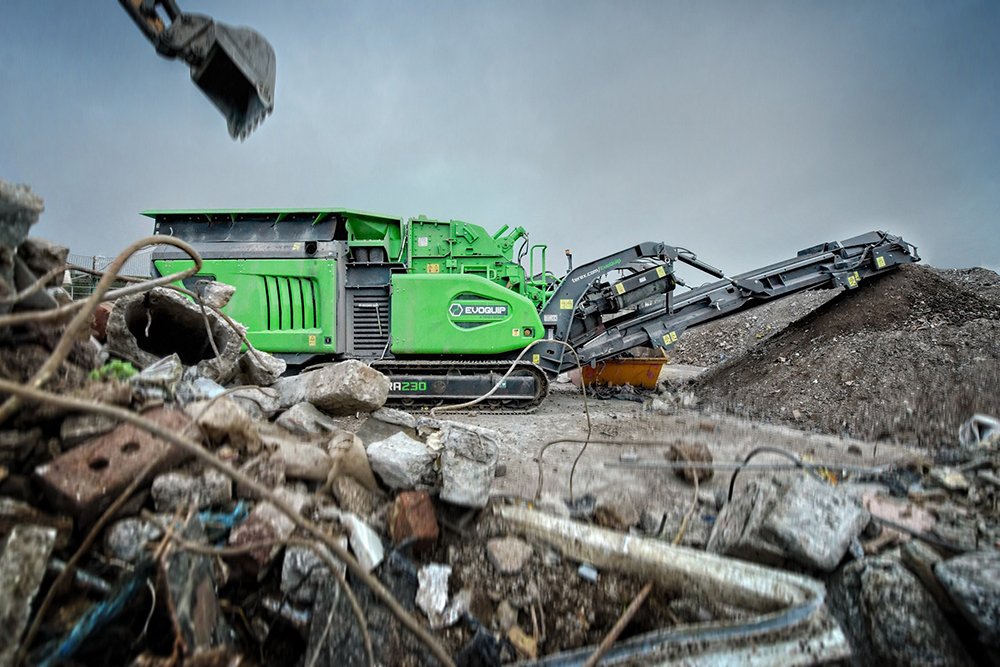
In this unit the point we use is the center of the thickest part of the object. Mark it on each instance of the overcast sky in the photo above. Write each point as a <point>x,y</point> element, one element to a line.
<point>743,131</point>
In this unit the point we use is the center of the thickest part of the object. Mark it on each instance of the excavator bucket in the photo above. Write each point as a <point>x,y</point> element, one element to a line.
<point>233,66</point>
<point>238,76</point>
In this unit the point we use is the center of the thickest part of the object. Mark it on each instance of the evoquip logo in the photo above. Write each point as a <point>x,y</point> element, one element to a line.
<point>493,311</point>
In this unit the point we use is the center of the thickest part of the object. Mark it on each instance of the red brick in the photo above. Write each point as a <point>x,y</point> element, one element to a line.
<point>413,517</point>
<point>99,325</point>
<point>84,481</point>
<point>266,523</point>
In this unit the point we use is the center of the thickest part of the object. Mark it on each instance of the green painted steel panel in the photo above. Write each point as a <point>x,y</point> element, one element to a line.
<point>459,314</point>
<point>287,305</point>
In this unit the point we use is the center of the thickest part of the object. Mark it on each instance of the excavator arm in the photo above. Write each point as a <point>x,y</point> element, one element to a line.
<point>602,316</point>
<point>233,66</point>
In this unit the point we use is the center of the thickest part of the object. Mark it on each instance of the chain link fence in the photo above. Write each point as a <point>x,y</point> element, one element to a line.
<point>80,284</point>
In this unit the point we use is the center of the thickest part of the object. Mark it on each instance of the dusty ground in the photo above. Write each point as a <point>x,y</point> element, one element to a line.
<point>568,611</point>
<point>646,434</point>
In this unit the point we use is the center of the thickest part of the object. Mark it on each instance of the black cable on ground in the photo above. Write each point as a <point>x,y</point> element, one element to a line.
<point>771,450</point>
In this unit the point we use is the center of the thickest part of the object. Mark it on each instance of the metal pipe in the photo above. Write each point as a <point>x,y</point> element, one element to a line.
<point>718,465</point>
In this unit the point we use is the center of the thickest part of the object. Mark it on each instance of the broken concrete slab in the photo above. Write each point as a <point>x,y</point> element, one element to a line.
<point>365,542</point>
<point>147,327</point>
<point>159,380</point>
<point>126,540</point>
<point>402,462</point>
<point>354,497</point>
<point>508,554</point>
<point>890,618</point>
<point>265,523</point>
<point>949,478</point>
<point>263,469</point>
<point>692,452</point>
<point>304,572</point>
<point>24,278</point>
<point>920,559</point>
<point>650,521</point>
<point>468,463</point>
<point>259,402</point>
<point>215,294</point>
<point>802,520</point>
<point>19,210</point>
<point>396,417</point>
<point>385,423</point>
<point>960,532</point>
<point>302,460</point>
<point>306,419</point>
<point>23,562</point>
<point>432,593</point>
<point>76,429</point>
<point>413,521</point>
<point>225,422</point>
<point>338,389</point>
<point>18,445</point>
<point>972,581</point>
<point>41,256</point>
<point>260,368</point>
<point>175,489</point>
<point>84,481</point>
<point>15,512</point>
<point>318,457</point>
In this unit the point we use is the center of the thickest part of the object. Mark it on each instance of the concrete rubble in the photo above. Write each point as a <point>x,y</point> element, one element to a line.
<point>508,554</point>
<point>890,618</point>
<point>22,565</point>
<point>126,540</point>
<point>804,521</point>
<point>365,542</point>
<point>458,461</point>
<point>266,524</point>
<point>193,591</point>
<point>303,571</point>
<point>338,389</point>
<point>468,463</point>
<point>972,581</point>
<point>306,419</point>
<point>174,490</point>
<point>145,327</point>
<point>432,594</point>
<point>402,462</point>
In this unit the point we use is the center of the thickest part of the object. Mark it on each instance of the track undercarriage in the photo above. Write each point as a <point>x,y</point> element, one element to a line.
<point>431,383</point>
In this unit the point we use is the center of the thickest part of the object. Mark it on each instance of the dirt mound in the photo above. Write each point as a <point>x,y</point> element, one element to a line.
<point>734,335</point>
<point>907,357</point>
